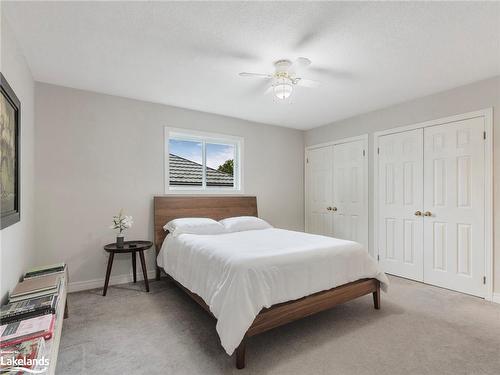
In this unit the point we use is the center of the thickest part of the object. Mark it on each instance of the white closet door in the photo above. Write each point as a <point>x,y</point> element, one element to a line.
<point>319,190</point>
<point>454,197</point>
<point>400,200</point>
<point>350,208</point>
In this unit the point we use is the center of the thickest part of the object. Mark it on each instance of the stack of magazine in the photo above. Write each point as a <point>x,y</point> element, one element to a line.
<point>36,287</point>
<point>28,355</point>
<point>54,269</point>
<point>28,329</point>
<point>30,313</point>
<point>28,308</point>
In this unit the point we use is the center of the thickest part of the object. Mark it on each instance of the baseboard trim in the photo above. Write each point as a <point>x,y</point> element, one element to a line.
<point>496,298</point>
<point>77,286</point>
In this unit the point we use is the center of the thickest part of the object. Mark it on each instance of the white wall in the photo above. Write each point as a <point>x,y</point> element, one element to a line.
<point>17,245</point>
<point>97,153</point>
<point>479,95</point>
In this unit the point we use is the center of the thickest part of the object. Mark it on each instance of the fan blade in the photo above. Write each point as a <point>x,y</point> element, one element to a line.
<point>309,38</point>
<point>303,62</point>
<point>319,22</point>
<point>299,65</point>
<point>255,75</point>
<point>306,82</point>
<point>331,73</point>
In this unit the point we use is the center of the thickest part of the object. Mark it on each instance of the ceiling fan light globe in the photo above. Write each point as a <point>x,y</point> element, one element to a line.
<point>283,90</point>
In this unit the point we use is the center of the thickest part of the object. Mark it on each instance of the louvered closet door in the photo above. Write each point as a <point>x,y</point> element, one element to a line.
<point>319,190</point>
<point>454,197</point>
<point>400,197</point>
<point>349,200</point>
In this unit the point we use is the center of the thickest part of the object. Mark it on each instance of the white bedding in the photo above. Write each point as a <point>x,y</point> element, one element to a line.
<point>237,274</point>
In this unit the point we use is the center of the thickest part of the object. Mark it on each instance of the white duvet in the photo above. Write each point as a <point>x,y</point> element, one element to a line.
<point>238,274</point>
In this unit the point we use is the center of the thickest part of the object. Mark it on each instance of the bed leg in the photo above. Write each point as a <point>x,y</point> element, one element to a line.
<point>376,297</point>
<point>158,273</point>
<point>240,355</point>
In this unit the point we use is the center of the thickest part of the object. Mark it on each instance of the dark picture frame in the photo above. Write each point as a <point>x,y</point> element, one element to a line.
<point>10,139</point>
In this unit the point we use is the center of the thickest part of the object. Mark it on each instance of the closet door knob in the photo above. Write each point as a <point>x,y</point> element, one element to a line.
<point>418,213</point>
<point>334,209</point>
<point>328,208</point>
<point>427,213</point>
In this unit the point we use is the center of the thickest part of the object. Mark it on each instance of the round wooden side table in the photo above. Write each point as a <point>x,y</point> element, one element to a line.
<point>128,247</point>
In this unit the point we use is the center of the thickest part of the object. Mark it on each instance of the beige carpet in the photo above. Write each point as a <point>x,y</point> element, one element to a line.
<point>420,330</point>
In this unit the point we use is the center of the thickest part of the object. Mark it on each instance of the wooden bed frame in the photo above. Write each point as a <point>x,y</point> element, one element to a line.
<point>167,208</point>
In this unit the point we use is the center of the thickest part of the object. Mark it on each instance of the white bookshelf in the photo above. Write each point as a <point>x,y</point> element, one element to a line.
<point>52,345</point>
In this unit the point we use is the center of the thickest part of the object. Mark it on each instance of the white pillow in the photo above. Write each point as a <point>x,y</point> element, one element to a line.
<point>194,225</point>
<point>241,223</point>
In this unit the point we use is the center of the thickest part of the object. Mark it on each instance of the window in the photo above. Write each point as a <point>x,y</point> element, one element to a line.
<point>202,162</point>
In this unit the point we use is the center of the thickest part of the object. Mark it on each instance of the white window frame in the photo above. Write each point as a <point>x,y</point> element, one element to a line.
<point>204,137</point>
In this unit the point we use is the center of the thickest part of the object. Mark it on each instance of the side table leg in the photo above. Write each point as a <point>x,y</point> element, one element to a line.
<point>108,272</point>
<point>144,272</point>
<point>376,297</point>
<point>134,266</point>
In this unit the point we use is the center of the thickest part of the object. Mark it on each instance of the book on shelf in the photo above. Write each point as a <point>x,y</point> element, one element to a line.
<point>23,330</point>
<point>29,353</point>
<point>39,284</point>
<point>28,308</point>
<point>58,268</point>
<point>35,294</point>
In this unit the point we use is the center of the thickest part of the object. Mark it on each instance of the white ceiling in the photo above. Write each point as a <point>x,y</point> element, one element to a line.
<point>189,54</point>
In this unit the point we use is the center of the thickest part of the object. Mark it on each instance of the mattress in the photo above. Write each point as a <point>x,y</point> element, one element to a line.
<point>237,274</point>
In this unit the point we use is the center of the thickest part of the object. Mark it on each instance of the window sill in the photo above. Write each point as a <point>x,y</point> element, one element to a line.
<point>205,191</point>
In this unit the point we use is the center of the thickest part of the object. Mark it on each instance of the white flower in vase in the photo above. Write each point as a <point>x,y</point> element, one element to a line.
<point>121,223</point>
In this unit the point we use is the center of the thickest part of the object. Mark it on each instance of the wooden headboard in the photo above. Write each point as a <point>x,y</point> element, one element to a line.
<point>171,207</point>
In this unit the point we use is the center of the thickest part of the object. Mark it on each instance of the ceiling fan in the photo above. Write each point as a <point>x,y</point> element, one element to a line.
<point>284,79</point>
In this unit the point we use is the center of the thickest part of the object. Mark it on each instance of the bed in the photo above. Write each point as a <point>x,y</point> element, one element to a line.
<point>273,278</point>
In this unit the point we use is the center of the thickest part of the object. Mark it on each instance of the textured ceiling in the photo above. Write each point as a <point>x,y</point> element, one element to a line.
<point>366,55</point>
